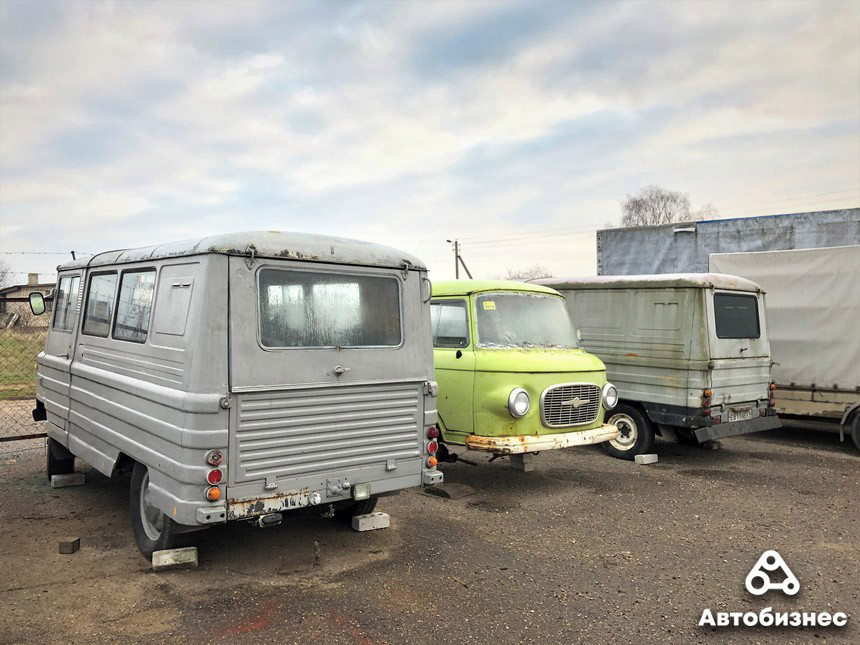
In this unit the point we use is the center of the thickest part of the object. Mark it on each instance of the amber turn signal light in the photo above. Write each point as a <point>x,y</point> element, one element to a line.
<point>707,393</point>
<point>213,494</point>
<point>432,461</point>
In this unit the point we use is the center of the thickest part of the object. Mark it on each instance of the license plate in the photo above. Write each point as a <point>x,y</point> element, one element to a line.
<point>740,414</point>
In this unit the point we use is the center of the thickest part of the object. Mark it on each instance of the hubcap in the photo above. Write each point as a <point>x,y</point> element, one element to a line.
<point>627,432</point>
<point>151,518</point>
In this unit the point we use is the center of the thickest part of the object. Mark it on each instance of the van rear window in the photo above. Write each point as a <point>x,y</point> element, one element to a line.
<point>316,309</point>
<point>736,315</point>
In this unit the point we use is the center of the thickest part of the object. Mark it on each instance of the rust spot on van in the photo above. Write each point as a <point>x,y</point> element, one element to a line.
<point>632,354</point>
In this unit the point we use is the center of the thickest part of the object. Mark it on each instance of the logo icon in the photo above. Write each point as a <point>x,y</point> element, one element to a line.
<point>758,579</point>
<point>576,402</point>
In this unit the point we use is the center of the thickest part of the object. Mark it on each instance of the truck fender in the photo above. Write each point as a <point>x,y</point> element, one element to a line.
<point>849,413</point>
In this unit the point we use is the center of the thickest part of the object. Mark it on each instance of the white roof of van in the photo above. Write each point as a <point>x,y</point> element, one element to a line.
<point>653,281</point>
<point>265,244</point>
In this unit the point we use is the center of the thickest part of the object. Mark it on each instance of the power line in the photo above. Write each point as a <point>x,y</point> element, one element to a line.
<point>528,238</point>
<point>43,252</point>
<point>793,199</point>
<point>554,229</point>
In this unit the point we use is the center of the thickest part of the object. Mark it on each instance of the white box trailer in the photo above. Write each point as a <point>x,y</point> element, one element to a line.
<point>813,314</point>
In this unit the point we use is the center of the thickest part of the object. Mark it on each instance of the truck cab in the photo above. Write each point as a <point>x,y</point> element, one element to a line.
<point>512,377</point>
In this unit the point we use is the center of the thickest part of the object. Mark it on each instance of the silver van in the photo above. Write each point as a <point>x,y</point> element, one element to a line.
<point>688,353</point>
<point>242,376</point>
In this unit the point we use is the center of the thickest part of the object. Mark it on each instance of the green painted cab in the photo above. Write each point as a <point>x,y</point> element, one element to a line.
<point>512,378</point>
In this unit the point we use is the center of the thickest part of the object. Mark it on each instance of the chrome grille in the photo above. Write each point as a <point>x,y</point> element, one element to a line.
<point>300,432</point>
<point>572,404</point>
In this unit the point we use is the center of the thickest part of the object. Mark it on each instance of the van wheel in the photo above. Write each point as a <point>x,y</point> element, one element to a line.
<point>59,460</point>
<point>363,507</point>
<point>636,433</point>
<point>855,430</point>
<point>153,530</point>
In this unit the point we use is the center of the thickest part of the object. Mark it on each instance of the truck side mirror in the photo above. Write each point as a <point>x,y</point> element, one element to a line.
<point>37,303</point>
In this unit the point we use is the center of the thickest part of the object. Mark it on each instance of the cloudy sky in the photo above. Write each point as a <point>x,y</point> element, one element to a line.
<point>515,126</point>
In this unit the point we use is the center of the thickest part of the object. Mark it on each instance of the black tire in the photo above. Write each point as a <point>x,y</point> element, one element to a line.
<point>59,460</point>
<point>151,532</point>
<point>855,430</point>
<point>363,507</point>
<point>637,432</point>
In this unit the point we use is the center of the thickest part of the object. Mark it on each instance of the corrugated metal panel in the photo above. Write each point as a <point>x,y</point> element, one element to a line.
<point>294,432</point>
<point>685,247</point>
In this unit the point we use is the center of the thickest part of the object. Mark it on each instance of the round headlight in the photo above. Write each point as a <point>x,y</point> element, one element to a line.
<point>519,402</point>
<point>610,396</point>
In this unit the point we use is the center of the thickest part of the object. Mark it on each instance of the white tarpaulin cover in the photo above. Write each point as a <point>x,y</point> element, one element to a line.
<point>813,311</point>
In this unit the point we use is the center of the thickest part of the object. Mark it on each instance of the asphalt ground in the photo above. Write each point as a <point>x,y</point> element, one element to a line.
<point>586,548</point>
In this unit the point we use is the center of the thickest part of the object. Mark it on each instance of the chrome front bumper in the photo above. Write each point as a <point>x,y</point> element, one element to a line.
<point>535,443</point>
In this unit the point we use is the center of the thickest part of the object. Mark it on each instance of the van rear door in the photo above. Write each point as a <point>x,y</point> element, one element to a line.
<point>327,372</point>
<point>739,348</point>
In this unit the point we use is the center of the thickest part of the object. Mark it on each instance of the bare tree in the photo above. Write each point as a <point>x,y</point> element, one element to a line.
<point>708,211</point>
<point>655,205</point>
<point>530,273</point>
<point>5,273</point>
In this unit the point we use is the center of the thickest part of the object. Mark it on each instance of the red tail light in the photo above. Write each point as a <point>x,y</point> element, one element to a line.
<point>432,432</point>
<point>771,403</point>
<point>707,412</point>
<point>432,447</point>
<point>214,476</point>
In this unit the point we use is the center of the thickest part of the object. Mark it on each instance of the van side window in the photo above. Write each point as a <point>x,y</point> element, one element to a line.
<point>99,310</point>
<point>736,315</point>
<point>67,301</point>
<point>134,306</point>
<point>450,323</point>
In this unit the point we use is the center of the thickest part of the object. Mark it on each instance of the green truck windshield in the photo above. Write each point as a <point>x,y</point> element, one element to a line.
<point>523,320</point>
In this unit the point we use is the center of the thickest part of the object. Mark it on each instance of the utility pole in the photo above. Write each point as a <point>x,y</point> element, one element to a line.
<point>458,260</point>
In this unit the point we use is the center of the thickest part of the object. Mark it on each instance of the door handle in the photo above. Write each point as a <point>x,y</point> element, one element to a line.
<point>340,369</point>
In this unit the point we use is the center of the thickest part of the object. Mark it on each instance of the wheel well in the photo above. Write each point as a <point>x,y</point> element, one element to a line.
<point>641,408</point>
<point>123,466</point>
<point>850,414</point>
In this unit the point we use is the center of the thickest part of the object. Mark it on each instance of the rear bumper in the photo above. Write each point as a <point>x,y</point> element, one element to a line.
<point>737,427</point>
<point>518,445</point>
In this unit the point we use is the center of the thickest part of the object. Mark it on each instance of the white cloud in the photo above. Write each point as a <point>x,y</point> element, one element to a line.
<point>141,122</point>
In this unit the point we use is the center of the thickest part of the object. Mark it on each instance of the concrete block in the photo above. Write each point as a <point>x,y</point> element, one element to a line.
<point>70,545</point>
<point>646,459</point>
<point>174,559</point>
<point>524,462</point>
<point>452,490</point>
<point>370,522</point>
<point>72,479</point>
<point>710,445</point>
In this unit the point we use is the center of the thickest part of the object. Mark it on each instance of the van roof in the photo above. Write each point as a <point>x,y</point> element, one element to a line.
<point>654,281</point>
<point>265,244</point>
<point>466,287</point>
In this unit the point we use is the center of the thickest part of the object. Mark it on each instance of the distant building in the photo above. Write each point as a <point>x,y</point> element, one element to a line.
<point>14,308</point>
<point>684,247</point>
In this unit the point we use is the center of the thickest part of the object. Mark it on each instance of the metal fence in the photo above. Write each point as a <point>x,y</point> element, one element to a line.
<point>18,350</point>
